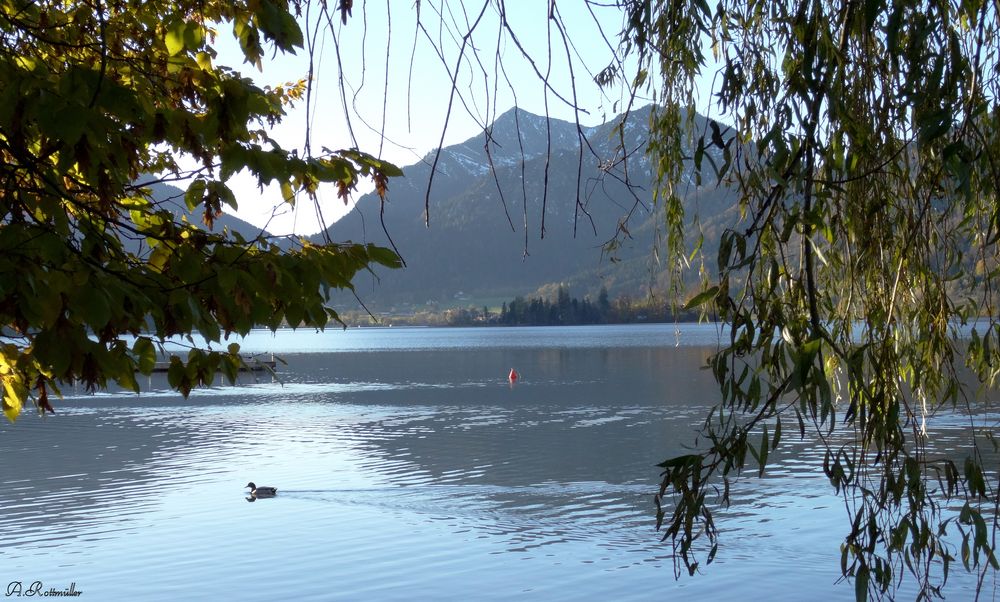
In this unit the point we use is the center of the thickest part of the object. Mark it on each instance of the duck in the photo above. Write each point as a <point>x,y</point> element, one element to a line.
<point>262,491</point>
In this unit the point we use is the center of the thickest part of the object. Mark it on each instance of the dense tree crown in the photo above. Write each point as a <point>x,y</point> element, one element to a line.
<point>859,138</point>
<point>96,98</point>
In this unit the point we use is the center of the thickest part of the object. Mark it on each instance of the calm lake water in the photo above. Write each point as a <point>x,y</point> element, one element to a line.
<point>408,469</point>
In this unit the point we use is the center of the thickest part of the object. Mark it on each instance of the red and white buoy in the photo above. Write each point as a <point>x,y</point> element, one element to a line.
<point>513,376</point>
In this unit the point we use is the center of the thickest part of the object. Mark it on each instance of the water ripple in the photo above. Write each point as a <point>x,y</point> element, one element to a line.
<point>403,476</point>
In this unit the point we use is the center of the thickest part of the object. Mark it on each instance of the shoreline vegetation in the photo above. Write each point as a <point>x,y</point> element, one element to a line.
<point>559,309</point>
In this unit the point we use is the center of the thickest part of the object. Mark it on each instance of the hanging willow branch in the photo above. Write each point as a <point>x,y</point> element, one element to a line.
<point>864,146</point>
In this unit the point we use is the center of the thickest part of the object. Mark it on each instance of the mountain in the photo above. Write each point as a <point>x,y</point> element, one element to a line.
<point>171,198</point>
<point>485,239</point>
<point>484,244</point>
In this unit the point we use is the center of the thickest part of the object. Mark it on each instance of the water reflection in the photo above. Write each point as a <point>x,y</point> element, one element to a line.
<point>404,474</point>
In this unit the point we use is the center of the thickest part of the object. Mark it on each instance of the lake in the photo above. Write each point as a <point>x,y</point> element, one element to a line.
<point>408,468</point>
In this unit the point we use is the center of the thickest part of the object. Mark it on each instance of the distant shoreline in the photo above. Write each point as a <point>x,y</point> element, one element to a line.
<point>558,309</point>
<point>406,324</point>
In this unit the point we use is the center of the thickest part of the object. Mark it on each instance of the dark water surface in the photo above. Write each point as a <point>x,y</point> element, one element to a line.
<point>408,469</point>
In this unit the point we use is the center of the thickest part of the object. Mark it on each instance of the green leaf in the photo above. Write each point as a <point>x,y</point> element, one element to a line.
<point>685,460</point>
<point>194,35</point>
<point>175,37</point>
<point>126,380</point>
<point>54,352</point>
<point>187,264</point>
<point>640,79</point>
<point>94,308</point>
<point>287,193</point>
<point>15,395</point>
<point>764,442</point>
<point>384,256</point>
<point>702,298</point>
<point>145,354</point>
<point>861,584</point>
<point>175,372</point>
<point>367,162</point>
<point>222,192</point>
<point>934,124</point>
<point>159,257</point>
<point>195,194</point>
<point>204,60</point>
<point>64,120</point>
<point>48,306</point>
<point>230,367</point>
<point>279,25</point>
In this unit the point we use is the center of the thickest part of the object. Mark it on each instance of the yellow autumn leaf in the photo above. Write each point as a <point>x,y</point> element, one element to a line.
<point>14,396</point>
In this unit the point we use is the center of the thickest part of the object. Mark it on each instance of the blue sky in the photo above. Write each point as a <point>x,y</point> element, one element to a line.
<point>380,37</point>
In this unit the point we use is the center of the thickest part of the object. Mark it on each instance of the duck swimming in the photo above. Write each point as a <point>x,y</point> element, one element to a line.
<point>262,491</point>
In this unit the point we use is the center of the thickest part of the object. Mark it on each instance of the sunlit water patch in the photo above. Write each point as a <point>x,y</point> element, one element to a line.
<point>415,472</point>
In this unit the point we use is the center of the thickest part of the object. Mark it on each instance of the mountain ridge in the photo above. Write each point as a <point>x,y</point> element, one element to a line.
<point>535,210</point>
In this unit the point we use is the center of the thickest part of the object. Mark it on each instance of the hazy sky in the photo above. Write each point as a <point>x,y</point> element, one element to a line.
<point>383,35</point>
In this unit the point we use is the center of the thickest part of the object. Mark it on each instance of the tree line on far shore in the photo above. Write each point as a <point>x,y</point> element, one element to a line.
<point>551,306</point>
<point>564,310</point>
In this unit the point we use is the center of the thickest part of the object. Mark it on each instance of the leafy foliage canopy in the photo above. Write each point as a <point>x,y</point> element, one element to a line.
<point>858,284</point>
<point>95,272</point>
